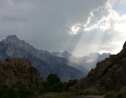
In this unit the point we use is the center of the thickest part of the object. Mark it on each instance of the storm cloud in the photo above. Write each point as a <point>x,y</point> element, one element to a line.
<point>78,26</point>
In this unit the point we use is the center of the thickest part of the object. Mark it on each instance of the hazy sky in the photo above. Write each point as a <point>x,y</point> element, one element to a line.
<point>79,26</point>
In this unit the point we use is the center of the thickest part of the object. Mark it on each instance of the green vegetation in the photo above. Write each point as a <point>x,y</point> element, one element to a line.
<point>56,95</point>
<point>53,88</point>
<point>16,91</point>
<point>110,94</point>
<point>53,79</point>
<point>63,95</point>
<point>113,94</point>
<point>106,94</point>
<point>53,84</point>
<point>77,93</point>
<point>88,92</point>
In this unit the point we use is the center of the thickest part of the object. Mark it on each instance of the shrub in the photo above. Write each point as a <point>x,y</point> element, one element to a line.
<point>53,84</point>
<point>18,90</point>
<point>121,95</point>
<point>110,95</point>
<point>63,95</point>
<point>53,79</point>
<point>115,95</point>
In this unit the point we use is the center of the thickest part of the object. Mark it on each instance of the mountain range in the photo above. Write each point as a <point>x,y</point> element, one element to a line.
<point>64,64</point>
<point>86,62</point>
<point>44,61</point>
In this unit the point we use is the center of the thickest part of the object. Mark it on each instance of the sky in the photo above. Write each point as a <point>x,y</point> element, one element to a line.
<point>78,26</point>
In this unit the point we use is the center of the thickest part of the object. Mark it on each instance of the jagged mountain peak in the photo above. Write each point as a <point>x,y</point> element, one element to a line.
<point>13,39</point>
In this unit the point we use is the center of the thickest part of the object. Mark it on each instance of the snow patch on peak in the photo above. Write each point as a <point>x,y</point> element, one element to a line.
<point>14,40</point>
<point>2,39</point>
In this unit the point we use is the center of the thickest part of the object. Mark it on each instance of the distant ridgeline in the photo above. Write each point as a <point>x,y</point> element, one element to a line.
<point>85,63</point>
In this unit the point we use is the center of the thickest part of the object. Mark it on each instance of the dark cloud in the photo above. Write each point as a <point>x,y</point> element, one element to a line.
<point>46,24</point>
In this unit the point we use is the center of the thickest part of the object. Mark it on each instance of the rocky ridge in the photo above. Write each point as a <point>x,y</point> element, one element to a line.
<point>19,70</point>
<point>109,74</point>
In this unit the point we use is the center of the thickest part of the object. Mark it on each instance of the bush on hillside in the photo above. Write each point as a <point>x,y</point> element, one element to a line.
<point>53,84</point>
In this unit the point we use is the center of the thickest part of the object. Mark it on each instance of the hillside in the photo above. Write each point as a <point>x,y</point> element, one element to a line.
<point>109,74</point>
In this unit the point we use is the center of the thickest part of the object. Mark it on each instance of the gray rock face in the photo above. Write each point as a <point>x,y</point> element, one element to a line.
<point>44,61</point>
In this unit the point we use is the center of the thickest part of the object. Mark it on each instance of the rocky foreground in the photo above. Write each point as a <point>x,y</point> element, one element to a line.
<point>15,70</point>
<point>109,74</point>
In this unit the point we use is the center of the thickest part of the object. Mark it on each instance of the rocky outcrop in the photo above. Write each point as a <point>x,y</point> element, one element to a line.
<point>15,70</point>
<point>109,74</point>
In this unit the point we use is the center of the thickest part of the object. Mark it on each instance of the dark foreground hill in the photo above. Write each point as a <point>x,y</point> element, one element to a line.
<point>18,70</point>
<point>109,74</point>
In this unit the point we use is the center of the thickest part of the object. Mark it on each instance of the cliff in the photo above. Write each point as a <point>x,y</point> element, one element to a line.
<point>15,70</point>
